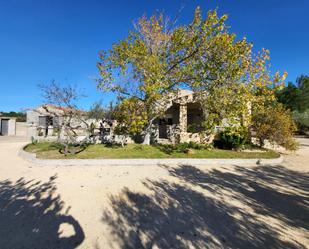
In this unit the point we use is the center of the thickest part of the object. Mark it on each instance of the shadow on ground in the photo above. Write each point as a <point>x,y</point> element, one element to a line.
<point>235,213</point>
<point>31,216</point>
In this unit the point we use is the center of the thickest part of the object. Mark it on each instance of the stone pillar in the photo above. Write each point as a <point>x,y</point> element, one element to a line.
<point>183,117</point>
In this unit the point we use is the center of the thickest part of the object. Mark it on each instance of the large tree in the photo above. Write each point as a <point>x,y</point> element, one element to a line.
<point>155,59</point>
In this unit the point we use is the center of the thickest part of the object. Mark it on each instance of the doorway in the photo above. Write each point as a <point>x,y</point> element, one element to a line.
<point>4,127</point>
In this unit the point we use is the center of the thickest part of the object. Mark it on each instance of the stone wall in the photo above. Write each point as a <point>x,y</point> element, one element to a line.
<point>33,118</point>
<point>186,137</point>
<point>21,129</point>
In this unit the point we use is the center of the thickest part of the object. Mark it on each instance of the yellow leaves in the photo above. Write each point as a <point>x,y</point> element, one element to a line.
<point>274,124</point>
<point>132,114</point>
<point>197,17</point>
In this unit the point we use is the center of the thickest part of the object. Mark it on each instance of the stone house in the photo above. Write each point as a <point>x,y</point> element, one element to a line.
<point>46,119</point>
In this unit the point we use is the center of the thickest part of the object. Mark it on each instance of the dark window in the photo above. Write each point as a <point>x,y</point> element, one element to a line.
<point>42,121</point>
<point>162,121</point>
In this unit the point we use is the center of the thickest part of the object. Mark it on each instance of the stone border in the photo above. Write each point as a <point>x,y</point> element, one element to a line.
<point>31,157</point>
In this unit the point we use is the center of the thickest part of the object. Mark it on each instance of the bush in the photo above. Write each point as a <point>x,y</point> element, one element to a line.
<point>196,146</point>
<point>166,148</point>
<point>233,137</point>
<point>181,147</point>
<point>275,125</point>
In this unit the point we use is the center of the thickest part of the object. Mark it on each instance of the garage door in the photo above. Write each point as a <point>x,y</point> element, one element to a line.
<point>4,127</point>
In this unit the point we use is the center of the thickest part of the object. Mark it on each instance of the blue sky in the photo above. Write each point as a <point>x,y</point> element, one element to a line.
<point>42,40</point>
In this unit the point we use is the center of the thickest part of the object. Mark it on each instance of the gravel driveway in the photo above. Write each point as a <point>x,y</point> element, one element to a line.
<point>153,206</point>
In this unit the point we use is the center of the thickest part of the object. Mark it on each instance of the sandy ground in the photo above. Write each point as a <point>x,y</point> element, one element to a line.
<point>153,206</point>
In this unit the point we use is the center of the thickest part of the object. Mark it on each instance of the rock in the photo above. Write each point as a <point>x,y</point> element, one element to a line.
<point>190,152</point>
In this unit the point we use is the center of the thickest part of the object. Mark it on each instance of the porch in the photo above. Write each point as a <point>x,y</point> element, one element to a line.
<point>181,123</point>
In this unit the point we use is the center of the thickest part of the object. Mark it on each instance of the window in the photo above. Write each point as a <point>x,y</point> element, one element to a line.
<point>42,121</point>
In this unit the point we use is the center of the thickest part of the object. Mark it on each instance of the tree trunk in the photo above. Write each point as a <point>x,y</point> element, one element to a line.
<point>66,149</point>
<point>147,138</point>
<point>148,134</point>
<point>61,135</point>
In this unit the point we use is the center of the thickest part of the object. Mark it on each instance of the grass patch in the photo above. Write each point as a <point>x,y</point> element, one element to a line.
<point>47,150</point>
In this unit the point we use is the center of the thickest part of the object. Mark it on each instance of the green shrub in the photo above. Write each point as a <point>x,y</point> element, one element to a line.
<point>196,146</point>
<point>233,137</point>
<point>181,147</point>
<point>166,148</point>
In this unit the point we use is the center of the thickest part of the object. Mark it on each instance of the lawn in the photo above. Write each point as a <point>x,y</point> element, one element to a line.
<point>47,150</point>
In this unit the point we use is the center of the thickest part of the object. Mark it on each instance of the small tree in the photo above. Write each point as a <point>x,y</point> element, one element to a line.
<point>70,118</point>
<point>97,111</point>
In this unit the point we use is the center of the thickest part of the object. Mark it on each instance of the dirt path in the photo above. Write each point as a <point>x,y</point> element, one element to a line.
<point>153,207</point>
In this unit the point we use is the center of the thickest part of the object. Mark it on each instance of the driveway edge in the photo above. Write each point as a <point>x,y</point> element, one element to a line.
<point>31,157</point>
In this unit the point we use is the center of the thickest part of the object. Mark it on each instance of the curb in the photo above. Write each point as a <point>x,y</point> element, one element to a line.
<point>31,157</point>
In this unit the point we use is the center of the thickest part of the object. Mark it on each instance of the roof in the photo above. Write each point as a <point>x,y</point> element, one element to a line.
<point>55,108</point>
<point>50,106</point>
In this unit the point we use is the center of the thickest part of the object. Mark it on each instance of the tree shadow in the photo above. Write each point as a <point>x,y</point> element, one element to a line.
<point>180,214</point>
<point>269,190</point>
<point>32,216</point>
